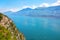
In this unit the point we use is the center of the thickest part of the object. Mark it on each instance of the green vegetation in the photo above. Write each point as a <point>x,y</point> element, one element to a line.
<point>8,30</point>
<point>0,16</point>
<point>5,34</point>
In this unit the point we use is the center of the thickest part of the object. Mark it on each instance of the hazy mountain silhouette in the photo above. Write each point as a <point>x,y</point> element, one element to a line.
<point>38,12</point>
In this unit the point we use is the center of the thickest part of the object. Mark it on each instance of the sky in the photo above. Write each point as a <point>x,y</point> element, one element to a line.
<point>16,5</point>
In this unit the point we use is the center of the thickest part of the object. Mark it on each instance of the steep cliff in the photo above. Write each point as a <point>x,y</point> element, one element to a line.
<point>8,30</point>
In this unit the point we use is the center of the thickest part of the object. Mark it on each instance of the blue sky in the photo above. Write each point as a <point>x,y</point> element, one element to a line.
<point>15,5</point>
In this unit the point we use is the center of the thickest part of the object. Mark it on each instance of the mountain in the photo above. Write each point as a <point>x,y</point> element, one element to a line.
<point>40,12</point>
<point>8,13</point>
<point>8,30</point>
<point>24,11</point>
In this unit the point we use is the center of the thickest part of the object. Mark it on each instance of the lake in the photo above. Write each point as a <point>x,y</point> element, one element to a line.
<point>38,28</point>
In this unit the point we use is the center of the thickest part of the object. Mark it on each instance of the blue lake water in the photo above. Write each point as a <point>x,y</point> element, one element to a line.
<point>38,28</point>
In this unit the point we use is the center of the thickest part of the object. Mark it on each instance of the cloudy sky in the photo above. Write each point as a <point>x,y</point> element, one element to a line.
<point>15,5</point>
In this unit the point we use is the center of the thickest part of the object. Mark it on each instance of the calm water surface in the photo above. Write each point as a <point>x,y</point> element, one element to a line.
<point>38,28</point>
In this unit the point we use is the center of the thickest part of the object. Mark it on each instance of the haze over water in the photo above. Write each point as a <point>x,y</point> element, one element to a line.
<point>38,28</point>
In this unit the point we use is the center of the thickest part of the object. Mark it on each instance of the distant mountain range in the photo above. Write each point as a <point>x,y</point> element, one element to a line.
<point>38,12</point>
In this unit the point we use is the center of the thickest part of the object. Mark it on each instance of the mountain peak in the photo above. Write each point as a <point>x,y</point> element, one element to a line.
<point>27,9</point>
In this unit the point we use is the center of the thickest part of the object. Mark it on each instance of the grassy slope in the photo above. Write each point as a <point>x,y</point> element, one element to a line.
<point>5,34</point>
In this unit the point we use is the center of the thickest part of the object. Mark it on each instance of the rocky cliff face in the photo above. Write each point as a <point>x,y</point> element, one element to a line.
<point>8,30</point>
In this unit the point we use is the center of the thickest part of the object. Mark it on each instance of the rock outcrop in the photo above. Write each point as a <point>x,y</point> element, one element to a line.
<point>8,29</point>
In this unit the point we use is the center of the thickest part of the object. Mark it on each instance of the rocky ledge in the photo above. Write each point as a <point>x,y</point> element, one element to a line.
<point>8,30</point>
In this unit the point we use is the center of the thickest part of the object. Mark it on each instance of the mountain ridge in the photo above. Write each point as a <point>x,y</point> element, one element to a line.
<point>40,11</point>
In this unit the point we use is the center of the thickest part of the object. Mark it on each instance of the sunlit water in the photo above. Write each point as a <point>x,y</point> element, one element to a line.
<point>38,28</point>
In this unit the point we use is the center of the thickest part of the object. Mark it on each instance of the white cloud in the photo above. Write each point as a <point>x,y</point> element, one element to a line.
<point>26,7</point>
<point>44,5</point>
<point>3,10</point>
<point>56,3</point>
<point>33,6</point>
<point>14,9</point>
<point>11,9</point>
